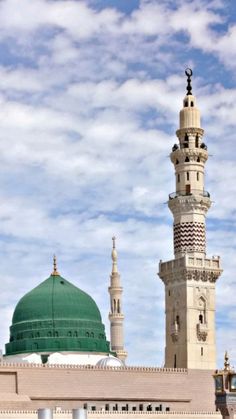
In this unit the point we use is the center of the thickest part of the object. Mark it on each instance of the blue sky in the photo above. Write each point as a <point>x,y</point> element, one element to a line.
<point>89,98</point>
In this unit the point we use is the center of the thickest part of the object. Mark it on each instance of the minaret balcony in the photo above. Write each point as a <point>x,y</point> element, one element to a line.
<point>189,267</point>
<point>193,153</point>
<point>117,316</point>
<point>203,193</point>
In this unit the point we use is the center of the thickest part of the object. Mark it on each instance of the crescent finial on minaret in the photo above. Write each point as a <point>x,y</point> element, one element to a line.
<point>189,73</point>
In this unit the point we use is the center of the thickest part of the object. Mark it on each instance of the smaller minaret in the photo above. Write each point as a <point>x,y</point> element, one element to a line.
<point>115,316</point>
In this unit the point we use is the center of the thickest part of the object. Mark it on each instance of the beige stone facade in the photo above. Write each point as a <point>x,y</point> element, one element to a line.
<point>29,387</point>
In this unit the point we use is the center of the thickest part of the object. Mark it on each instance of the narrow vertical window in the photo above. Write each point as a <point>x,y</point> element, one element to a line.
<point>185,141</point>
<point>197,175</point>
<point>175,361</point>
<point>178,178</point>
<point>188,189</point>
<point>187,175</point>
<point>201,351</point>
<point>197,141</point>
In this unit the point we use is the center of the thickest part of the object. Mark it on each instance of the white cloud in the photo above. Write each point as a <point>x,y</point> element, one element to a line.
<point>74,17</point>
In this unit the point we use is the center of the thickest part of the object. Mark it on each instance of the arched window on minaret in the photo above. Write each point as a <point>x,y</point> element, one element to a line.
<point>186,160</point>
<point>118,306</point>
<point>202,314</point>
<point>114,306</point>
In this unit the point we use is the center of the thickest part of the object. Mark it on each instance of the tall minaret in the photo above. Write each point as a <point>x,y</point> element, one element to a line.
<point>190,277</point>
<point>115,316</point>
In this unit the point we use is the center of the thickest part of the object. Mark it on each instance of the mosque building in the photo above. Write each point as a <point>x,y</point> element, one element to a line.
<point>57,323</point>
<point>58,355</point>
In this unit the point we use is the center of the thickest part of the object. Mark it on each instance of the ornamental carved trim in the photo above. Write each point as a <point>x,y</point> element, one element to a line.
<point>202,275</point>
<point>193,154</point>
<point>181,132</point>
<point>202,332</point>
<point>180,204</point>
<point>174,332</point>
<point>189,236</point>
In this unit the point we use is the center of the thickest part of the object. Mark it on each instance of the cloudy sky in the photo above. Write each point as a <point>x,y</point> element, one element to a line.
<point>89,98</point>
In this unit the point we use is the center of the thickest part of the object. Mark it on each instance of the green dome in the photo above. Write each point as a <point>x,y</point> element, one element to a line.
<point>56,316</point>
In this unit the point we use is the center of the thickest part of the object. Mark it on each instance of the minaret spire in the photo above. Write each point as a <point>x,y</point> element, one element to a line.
<point>114,256</point>
<point>115,316</point>
<point>190,277</point>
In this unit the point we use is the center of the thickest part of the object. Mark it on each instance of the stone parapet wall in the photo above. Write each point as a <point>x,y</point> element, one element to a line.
<point>32,387</point>
<point>10,414</point>
<point>12,365</point>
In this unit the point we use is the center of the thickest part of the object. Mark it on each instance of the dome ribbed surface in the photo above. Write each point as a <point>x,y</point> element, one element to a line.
<point>56,316</point>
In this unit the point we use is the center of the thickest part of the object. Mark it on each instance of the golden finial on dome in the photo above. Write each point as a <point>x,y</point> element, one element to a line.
<point>55,266</point>
<point>114,256</point>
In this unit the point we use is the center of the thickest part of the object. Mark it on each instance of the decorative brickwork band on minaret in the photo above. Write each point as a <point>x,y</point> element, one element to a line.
<point>190,277</point>
<point>115,316</point>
